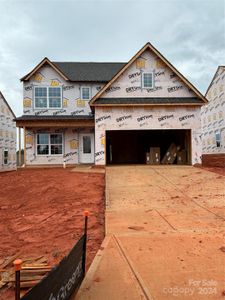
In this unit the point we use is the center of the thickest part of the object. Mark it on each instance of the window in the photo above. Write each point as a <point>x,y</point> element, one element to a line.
<point>48,97</point>
<point>85,93</point>
<point>40,97</point>
<point>54,97</point>
<point>49,144</point>
<point>5,156</point>
<point>56,144</point>
<point>86,144</point>
<point>218,138</point>
<point>42,144</point>
<point>147,80</point>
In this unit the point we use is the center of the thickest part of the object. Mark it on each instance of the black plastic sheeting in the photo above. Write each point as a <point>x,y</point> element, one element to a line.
<point>64,279</point>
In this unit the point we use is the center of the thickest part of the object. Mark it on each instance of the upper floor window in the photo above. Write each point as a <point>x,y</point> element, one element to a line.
<point>147,80</point>
<point>85,93</point>
<point>48,97</point>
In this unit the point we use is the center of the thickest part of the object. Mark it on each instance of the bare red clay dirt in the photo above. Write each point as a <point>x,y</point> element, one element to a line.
<point>218,170</point>
<point>41,213</point>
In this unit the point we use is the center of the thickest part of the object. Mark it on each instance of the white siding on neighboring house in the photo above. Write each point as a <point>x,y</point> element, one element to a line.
<point>213,115</point>
<point>7,138</point>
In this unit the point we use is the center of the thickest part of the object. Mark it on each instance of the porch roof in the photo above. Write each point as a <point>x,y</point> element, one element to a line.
<point>55,121</point>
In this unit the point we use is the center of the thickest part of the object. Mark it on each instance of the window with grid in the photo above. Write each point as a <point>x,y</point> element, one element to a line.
<point>56,144</point>
<point>42,144</point>
<point>40,94</point>
<point>147,80</point>
<point>85,93</point>
<point>54,97</point>
<point>48,97</point>
<point>49,144</point>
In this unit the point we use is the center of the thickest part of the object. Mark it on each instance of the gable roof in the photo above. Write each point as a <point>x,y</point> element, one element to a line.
<point>158,54</point>
<point>215,75</point>
<point>7,104</point>
<point>80,71</point>
<point>42,63</point>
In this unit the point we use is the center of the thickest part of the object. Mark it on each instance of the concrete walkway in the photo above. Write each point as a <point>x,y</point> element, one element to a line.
<point>165,236</point>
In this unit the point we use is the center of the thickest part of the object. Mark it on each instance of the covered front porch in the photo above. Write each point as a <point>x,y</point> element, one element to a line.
<point>56,140</point>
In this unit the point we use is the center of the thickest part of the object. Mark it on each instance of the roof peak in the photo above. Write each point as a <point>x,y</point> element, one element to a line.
<point>147,46</point>
<point>7,104</point>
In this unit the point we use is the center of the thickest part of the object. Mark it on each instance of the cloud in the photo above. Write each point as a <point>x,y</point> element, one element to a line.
<point>189,33</point>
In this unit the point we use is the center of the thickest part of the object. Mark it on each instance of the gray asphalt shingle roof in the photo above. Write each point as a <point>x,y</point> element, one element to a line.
<point>161,100</point>
<point>89,71</point>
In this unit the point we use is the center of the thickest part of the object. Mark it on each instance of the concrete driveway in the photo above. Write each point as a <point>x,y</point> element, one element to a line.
<point>165,235</point>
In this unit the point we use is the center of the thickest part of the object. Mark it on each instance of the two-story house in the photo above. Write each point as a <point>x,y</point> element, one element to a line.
<point>7,136</point>
<point>58,122</point>
<point>213,122</point>
<point>109,112</point>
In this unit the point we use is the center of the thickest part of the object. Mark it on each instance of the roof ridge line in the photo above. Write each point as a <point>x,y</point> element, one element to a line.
<point>92,62</point>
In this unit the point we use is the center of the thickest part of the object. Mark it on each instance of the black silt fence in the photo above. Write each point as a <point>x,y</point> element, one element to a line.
<point>64,279</point>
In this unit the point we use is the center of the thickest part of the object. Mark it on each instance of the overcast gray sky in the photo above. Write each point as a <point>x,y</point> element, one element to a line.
<point>189,33</point>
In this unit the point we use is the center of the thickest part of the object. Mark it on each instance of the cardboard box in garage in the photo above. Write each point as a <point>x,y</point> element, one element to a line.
<point>155,155</point>
<point>147,158</point>
<point>171,154</point>
<point>181,157</point>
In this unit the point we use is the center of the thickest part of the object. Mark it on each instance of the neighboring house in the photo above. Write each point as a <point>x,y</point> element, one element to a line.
<point>109,112</point>
<point>213,122</point>
<point>7,137</point>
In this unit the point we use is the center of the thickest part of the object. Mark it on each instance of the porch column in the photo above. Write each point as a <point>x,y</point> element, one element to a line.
<point>19,161</point>
<point>24,151</point>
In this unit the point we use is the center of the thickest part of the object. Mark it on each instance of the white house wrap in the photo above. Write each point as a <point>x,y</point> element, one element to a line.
<point>213,121</point>
<point>147,118</point>
<point>89,112</point>
<point>7,137</point>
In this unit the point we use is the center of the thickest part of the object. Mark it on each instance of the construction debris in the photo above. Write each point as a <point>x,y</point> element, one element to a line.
<point>33,270</point>
<point>182,157</point>
<point>154,155</point>
<point>171,154</point>
<point>147,158</point>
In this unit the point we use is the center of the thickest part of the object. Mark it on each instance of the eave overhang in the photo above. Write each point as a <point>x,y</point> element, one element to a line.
<point>157,101</point>
<point>55,122</point>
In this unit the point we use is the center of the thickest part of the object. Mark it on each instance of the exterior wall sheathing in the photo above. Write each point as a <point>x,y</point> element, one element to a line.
<point>7,137</point>
<point>213,121</point>
<point>147,118</point>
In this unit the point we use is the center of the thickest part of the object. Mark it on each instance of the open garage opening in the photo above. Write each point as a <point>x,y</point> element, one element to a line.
<point>131,146</point>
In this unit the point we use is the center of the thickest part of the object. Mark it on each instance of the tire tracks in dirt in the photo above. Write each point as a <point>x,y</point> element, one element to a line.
<point>186,196</point>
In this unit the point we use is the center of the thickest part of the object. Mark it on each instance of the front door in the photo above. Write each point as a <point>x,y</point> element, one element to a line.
<point>86,148</point>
